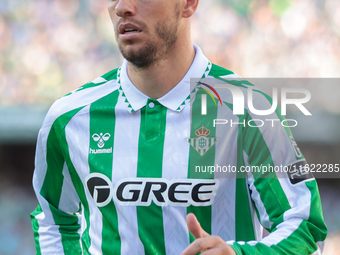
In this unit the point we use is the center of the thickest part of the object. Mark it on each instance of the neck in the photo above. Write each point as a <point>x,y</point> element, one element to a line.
<point>158,79</point>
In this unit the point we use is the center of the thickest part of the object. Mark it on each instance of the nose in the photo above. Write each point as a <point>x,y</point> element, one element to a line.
<point>126,8</point>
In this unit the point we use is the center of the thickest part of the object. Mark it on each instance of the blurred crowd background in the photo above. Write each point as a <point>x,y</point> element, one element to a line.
<point>50,47</point>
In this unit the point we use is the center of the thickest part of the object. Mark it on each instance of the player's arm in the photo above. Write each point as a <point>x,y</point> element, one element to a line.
<point>294,219</point>
<point>54,221</point>
<point>289,209</point>
<point>292,215</point>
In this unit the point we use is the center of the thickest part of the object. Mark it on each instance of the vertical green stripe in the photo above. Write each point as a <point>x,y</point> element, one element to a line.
<point>244,228</point>
<point>35,226</point>
<point>150,159</point>
<point>102,125</point>
<point>268,186</point>
<point>203,213</point>
<point>78,185</point>
<point>317,227</point>
<point>53,183</point>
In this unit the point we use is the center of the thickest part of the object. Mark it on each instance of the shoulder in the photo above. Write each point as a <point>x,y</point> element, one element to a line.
<point>233,86</point>
<point>109,76</point>
<point>217,71</point>
<point>228,82</point>
<point>83,96</point>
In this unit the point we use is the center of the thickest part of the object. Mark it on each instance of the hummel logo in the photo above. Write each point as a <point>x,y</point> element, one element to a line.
<point>101,138</point>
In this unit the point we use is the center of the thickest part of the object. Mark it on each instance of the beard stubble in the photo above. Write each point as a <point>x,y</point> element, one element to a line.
<point>154,51</point>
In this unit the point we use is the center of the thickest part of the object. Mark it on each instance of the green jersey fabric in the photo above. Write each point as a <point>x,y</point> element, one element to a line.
<point>117,172</point>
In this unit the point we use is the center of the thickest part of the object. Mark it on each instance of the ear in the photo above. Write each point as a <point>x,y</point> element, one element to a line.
<point>189,8</point>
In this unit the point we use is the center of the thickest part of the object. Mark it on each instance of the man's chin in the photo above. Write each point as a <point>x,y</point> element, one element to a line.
<point>130,48</point>
<point>139,56</point>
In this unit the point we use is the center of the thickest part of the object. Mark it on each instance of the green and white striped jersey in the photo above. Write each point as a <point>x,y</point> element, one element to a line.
<point>117,172</point>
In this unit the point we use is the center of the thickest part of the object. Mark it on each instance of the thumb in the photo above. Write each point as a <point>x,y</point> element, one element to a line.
<point>195,227</point>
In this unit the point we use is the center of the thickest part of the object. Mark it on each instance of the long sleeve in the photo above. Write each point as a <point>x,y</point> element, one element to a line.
<point>286,199</point>
<point>55,221</point>
<point>292,215</point>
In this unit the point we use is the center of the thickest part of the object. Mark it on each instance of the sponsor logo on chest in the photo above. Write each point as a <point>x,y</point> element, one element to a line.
<point>143,191</point>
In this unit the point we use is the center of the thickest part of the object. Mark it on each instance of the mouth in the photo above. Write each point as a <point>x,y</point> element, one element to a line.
<point>129,28</point>
<point>130,31</point>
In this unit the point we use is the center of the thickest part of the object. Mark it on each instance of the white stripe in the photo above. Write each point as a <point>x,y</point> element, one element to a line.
<point>321,246</point>
<point>257,225</point>
<point>264,217</point>
<point>77,136</point>
<point>230,242</point>
<point>258,228</point>
<point>318,251</point>
<point>232,76</point>
<point>125,155</point>
<point>223,207</point>
<point>283,231</point>
<point>175,166</point>
<point>69,200</point>
<point>47,216</point>
<point>204,104</point>
<point>48,231</point>
<point>299,198</point>
<point>40,160</point>
<point>49,237</point>
<point>275,136</point>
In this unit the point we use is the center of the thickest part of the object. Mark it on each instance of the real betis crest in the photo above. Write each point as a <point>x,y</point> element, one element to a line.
<point>202,143</point>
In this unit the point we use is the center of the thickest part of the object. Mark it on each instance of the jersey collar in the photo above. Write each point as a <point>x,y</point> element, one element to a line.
<point>175,99</point>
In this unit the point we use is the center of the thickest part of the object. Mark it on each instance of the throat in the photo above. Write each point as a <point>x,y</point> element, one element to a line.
<point>162,76</point>
<point>154,81</point>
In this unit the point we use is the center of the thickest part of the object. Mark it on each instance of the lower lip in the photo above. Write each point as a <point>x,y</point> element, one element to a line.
<point>130,36</point>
